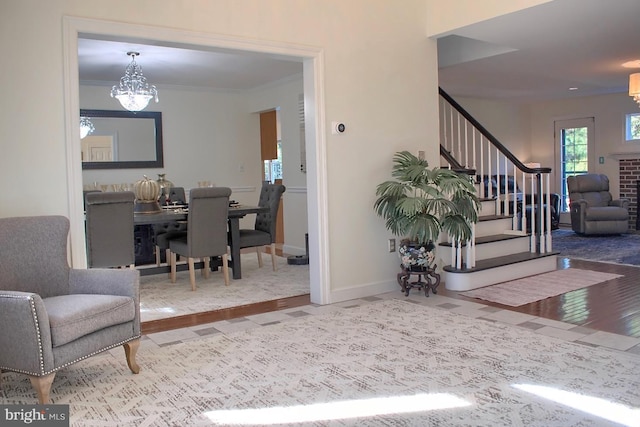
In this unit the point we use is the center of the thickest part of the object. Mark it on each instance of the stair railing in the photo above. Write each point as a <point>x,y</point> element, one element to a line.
<point>500,175</point>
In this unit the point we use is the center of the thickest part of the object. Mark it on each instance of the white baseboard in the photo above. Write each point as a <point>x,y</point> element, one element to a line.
<point>363,291</point>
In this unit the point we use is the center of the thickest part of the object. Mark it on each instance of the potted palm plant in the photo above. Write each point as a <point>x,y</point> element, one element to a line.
<point>420,203</point>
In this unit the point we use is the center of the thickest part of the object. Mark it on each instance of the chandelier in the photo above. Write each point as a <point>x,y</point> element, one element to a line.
<point>133,92</point>
<point>634,87</point>
<point>86,127</point>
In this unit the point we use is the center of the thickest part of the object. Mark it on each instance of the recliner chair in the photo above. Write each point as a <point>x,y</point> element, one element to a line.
<point>593,210</point>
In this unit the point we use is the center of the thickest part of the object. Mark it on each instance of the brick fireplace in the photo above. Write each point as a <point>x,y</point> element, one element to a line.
<point>630,185</point>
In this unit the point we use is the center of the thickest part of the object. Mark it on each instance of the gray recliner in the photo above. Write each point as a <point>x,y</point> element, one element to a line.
<point>593,210</point>
<point>52,315</point>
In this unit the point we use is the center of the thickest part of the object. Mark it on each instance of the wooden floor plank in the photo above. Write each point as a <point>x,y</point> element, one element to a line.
<point>612,306</point>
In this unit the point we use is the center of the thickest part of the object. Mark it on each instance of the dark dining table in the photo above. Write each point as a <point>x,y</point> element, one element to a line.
<point>169,215</point>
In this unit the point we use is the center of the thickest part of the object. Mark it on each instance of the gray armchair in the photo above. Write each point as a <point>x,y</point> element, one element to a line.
<point>53,316</point>
<point>593,210</point>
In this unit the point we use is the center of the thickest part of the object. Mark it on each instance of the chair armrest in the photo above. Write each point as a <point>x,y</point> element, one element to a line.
<point>621,203</point>
<point>578,214</point>
<point>105,281</point>
<point>25,335</point>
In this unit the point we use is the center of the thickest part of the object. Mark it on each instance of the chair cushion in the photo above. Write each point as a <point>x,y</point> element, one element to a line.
<point>606,213</point>
<point>250,238</point>
<point>74,316</point>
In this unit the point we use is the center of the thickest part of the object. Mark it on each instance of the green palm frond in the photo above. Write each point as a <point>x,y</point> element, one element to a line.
<point>421,202</point>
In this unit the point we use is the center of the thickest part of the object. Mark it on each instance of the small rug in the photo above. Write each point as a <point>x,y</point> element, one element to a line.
<point>386,363</point>
<point>160,299</point>
<point>619,249</point>
<point>535,288</point>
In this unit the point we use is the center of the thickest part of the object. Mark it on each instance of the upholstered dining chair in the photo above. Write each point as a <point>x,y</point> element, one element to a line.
<point>593,210</point>
<point>264,231</point>
<point>52,315</point>
<point>206,232</point>
<point>162,233</point>
<point>109,228</point>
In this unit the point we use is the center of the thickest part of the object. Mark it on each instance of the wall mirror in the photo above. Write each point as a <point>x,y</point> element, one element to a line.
<point>122,139</point>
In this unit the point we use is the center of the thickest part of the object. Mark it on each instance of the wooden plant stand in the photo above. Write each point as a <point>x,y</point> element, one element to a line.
<point>432,280</point>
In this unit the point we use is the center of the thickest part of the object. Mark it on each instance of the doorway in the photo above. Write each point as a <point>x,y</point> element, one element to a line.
<point>574,148</point>
<point>311,58</point>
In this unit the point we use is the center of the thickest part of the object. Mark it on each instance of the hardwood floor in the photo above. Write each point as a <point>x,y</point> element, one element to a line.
<point>612,306</point>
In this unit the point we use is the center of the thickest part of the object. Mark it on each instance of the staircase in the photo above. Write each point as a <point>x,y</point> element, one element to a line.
<point>501,248</point>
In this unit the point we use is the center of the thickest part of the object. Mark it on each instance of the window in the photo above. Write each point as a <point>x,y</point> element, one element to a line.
<point>632,127</point>
<point>574,139</point>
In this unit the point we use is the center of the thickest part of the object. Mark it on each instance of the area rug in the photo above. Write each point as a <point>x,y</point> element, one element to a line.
<point>535,288</point>
<point>387,363</point>
<point>619,249</point>
<point>159,298</point>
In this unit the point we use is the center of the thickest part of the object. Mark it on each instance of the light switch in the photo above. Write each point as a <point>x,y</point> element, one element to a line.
<point>601,160</point>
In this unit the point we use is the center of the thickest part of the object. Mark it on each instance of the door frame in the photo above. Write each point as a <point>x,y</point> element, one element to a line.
<point>312,59</point>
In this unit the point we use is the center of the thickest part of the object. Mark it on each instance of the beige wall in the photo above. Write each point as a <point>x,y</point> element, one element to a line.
<point>380,79</point>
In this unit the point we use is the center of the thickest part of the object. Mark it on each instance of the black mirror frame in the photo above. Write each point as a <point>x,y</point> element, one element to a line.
<point>155,115</point>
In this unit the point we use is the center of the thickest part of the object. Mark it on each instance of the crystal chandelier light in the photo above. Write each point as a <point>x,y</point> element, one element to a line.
<point>634,87</point>
<point>133,92</point>
<point>86,127</point>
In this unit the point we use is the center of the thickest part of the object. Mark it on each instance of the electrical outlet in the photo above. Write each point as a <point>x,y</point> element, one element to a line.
<point>421,155</point>
<point>392,245</point>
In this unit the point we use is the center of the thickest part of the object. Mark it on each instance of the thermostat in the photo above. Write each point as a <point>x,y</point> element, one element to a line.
<point>337,128</point>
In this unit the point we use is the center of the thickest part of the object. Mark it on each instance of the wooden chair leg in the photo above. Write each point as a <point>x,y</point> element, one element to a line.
<point>205,268</point>
<point>172,275</point>
<point>225,268</point>
<point>167,255</point>
<point>130,351</point>
<point>259,252</point>
<point>192,272</point>
<point>43,387</point>
<point>158,259</point>
<point>273,257</point>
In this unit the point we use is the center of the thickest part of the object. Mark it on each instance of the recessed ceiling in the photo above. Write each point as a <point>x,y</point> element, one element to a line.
<point>540,52</point>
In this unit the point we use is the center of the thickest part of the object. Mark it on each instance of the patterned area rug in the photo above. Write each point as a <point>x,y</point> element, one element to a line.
<point>535,288</point>
<point>385,363</point>
<point>159,298</point>
<point>619,249</point>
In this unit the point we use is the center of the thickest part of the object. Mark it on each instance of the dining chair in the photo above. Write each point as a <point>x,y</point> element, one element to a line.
<point>162,233</point>
<point>264,231</point>
<point>109,228</point>
<point>206,235</point>
<point>175,194</point>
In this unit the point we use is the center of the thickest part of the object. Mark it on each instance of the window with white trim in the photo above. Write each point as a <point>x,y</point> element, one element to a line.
<point>632,127</point>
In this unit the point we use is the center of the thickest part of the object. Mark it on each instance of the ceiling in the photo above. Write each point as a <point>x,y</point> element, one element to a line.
<point>531,55</point>
<point>540,52</point>
<point>102,62</point>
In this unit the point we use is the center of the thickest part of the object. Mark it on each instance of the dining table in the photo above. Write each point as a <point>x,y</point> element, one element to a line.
<point>175,214</point>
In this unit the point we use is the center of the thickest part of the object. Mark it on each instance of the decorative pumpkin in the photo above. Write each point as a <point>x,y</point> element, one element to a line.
<point>146,190</point>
